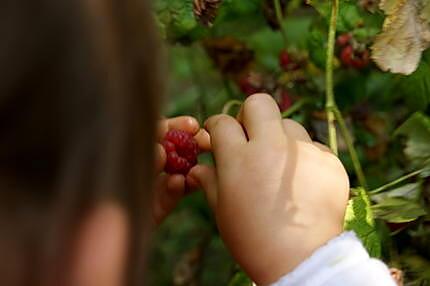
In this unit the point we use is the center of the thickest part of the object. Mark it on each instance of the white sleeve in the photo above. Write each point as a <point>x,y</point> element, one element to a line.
<point>342,261</point>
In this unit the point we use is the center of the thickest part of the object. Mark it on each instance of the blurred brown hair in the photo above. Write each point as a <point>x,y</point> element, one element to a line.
<point>79,82</point>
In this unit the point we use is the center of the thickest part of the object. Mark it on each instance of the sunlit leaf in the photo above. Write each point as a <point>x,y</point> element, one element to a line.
<point>359,218</point>
<point>405,35</point>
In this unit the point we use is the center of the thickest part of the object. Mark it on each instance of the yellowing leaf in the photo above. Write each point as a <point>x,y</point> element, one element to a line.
<point>425,12</point>
<point>359,218</point>
<point>390,6</point>
<point>405,35</point>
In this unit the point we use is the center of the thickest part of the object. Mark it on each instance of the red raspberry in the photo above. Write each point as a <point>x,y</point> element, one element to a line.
<point>343,39</point>
<point>346,55</point>
<point>247,87</point>
<point>251,83</point>
<point>285,102</point>
<point>287,63</point>
<point>181,150</point>
<point>355,59</point>
<point>361,59</point>
<point>284,60</point>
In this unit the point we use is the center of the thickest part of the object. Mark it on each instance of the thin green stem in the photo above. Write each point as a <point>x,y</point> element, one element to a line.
<point>395,182</point>
<point>230,104</point>
<point>228,88</point>
<point>332,110</point>
<point>279,18</point>
<point>351,149</point>
<point>296,107</point>
<point>330,100</point>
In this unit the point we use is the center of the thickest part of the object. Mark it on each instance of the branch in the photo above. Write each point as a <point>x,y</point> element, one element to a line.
<point>296,106</point>
<point>230,104</point>
<point>351,149</point>
<point>332,110</point>
<point>279,18</point>
<point>330,101</point>
<point>395,182</point>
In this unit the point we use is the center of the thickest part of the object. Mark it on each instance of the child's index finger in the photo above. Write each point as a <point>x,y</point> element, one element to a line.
<point>226,135</point>
<point>203,140</point>
<point>261,118</point>
<point>185,123</point>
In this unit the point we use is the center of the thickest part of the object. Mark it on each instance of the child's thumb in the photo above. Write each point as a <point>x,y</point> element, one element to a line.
<point>204,177</point>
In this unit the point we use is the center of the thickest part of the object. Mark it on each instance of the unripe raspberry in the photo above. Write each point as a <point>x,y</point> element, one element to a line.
<point>181,151</point>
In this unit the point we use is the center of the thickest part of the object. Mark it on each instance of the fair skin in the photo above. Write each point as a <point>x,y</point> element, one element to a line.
<point>276,195</point>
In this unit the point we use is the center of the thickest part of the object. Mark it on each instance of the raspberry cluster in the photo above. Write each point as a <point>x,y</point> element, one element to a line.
<point>181,150</point>
<point>352,54</point>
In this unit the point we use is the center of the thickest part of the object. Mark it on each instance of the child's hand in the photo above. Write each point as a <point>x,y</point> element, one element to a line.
<point>277,196</point>
<point>169,189</point>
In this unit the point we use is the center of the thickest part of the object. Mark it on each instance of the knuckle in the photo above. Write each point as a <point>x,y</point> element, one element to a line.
<point>223,120</point>
<point>296,127</point>
<point>216,121</point>
<point>294,124</point>
<point>256,99</point>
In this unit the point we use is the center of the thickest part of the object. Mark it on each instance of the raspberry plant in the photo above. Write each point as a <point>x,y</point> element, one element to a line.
<point>354,73</point>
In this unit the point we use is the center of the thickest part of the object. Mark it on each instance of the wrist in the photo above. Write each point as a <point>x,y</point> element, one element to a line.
<point>283,258</point>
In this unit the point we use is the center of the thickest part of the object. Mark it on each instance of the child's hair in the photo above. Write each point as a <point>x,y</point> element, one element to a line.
<point>79,82</point>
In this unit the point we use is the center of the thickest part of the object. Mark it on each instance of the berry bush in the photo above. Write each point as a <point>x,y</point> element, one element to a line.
<point>356,74</point>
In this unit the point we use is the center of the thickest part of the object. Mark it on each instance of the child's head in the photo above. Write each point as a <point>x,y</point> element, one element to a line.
<point>79,89</point>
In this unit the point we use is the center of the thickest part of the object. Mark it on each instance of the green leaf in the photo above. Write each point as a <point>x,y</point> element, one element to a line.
<point>407,191</point>
<point>359,218</point>
<point>398,210</point>
<point>417,130</point>
<point>349,15</point>
<point>175,18</point>
<point>416,87</point>
<point>240,279</point>
<point>317,47</point>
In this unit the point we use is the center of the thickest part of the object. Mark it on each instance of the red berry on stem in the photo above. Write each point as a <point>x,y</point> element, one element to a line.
<point>284,60</point>
<point>343,39</point>
<point>287,62</point>
<point>346,55</point>
<point>181,151</point>
<point>251,83</point>
<point>247,87</point>
<point>355,59</point>
<point>285,102</point>
<point>361,59</point>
